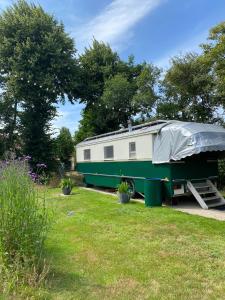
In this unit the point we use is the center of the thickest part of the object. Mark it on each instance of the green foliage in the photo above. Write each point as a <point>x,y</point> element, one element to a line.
<point>116,100</point>
<point>98,64</point>
<point>114,90</point>
<point>86,127</point>
<point>24,221</point>
<point>146,96</point>
<point>188,91</point>
<point>38,69</point>
<point>123,187</point>
<point>214,53</point>
<point>9,120</point>
<point>221,171</point>
<point>66,183</point>
<point>64,144</point>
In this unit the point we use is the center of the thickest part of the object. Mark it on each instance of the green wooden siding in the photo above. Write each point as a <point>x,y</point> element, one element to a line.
<point>123,169</point>
<point>193,168</point>
<point>128,168</point>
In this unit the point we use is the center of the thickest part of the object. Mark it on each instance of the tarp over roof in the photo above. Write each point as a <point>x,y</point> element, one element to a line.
<point>176,140</point>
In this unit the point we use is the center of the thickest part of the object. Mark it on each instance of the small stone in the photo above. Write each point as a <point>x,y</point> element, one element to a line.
<point>70,213</point>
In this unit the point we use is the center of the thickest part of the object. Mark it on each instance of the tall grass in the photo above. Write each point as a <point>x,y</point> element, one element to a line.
<point>23,224</point>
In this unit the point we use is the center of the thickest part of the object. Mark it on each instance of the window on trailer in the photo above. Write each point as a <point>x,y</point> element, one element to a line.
<point>108,152</point>
<point>87,154</point>
<point>132,150</point>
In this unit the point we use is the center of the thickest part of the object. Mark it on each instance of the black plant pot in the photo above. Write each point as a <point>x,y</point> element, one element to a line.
<point>124,198</point>
<point>66,190</point>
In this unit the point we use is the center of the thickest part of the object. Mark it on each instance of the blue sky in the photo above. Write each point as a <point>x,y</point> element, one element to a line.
<point>151,30</point>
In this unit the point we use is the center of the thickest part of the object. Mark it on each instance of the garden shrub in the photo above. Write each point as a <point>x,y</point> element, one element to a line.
<point>24,222</point>
<point>221,169</point>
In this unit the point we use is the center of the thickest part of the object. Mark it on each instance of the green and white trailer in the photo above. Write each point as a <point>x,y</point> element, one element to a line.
<point>184,155</point>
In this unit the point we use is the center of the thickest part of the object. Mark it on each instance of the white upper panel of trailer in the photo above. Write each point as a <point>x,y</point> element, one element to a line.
<point>173,140</point>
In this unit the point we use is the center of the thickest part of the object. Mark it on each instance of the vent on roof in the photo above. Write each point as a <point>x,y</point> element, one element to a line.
<point>129,123</point>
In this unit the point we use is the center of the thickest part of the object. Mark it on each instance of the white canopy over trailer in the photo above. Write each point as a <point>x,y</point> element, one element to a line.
<point>176,140</point>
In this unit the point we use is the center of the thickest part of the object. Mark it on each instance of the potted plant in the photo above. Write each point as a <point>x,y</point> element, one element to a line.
<point>66,185</point>
<point>123,191</point>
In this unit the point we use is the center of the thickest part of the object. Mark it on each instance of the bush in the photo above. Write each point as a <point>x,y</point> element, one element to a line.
<point>123,187</point>
<point>66,183</point>
<point>23,222</point>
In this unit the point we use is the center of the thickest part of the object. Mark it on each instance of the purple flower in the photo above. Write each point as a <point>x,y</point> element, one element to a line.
<point>34,176</point>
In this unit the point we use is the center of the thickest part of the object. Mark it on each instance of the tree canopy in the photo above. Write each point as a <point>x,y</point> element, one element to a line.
<point>214,56</point>
<point>37,70</point>
<point>114,90</point>
<point>188,90</point>
<point>64,145</point>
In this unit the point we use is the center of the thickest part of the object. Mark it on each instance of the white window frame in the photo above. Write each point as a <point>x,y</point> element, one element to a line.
<point>132,153</point>
<point>111,157</point>
<point>85,151</point>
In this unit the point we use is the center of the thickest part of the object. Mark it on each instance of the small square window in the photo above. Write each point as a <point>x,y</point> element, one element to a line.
<point>108,152</point>
<point>132,150</point>
<point>87,154</point>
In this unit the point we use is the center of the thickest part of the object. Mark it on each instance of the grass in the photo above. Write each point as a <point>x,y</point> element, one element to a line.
<point>105,250</point>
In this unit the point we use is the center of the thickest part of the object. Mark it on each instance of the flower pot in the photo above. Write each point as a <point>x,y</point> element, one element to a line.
<point>66,190</point>
<point>124,198</point>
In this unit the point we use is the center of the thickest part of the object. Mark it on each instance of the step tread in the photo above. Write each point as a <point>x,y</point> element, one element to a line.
<point>211,198</point>
<point>207,192</point>
<point>216,204</point>
<point>202,186</point>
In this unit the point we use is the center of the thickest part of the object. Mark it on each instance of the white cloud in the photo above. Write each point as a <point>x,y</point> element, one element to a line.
<point>190,45</point>
<point>115,22</point>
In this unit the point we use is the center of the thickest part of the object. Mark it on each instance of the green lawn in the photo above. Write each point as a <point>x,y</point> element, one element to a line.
<point>112,251</point>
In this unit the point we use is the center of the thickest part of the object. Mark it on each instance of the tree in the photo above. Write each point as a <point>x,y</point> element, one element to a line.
<point>214,56</point>
<point>188,91</point>
<point>145,97</point>
<point>65,145</point>
<point>110,85</point>
<point>98,63</point>
<point>9,123</point>
<point>37,70</point>
<point>116,100</point>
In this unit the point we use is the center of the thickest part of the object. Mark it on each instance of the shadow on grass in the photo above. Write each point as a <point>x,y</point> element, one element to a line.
<point>63,281</point>
<point>74,193</point>
<point>59,281</point>
<point>63,278</point>
<point>132,202</point>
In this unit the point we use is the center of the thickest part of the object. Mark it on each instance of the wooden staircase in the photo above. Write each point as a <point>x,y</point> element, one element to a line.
<point>206,193</point>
